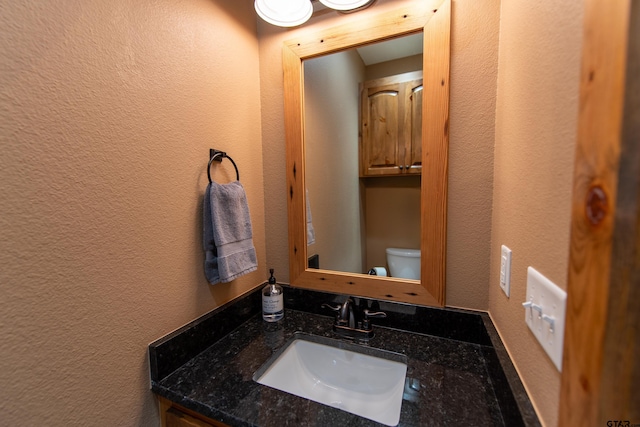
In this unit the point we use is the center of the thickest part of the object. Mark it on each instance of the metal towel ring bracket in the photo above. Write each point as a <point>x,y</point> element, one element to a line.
<point>218,155</point>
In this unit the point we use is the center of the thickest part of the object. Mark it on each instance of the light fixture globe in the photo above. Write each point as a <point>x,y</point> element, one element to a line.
<point>284,13</point>
<point>345,4</point>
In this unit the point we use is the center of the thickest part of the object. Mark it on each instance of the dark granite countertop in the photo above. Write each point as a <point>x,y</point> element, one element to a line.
<point>464,374</point>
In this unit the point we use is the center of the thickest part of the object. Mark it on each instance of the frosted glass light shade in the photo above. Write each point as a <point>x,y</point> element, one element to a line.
<point>284,13</point>
<point>344,4</point>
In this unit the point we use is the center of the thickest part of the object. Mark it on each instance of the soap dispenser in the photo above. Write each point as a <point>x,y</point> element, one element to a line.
<point>272,300</point>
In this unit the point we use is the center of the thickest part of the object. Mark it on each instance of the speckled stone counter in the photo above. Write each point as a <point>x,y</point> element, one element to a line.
<point>464,374</point>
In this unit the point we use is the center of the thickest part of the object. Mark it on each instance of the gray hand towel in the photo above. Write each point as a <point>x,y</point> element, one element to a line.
<point>228,239</point>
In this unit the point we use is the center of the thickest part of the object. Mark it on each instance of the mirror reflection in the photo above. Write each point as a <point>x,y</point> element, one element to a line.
<point>363,148</point>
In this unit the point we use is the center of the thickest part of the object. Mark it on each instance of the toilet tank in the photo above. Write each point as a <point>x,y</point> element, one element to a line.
<point>404,263</point>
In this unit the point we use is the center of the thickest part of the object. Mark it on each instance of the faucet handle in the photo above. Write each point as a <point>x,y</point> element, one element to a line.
<point>331,307</point>
<point>373,314</point>
<point>366,324</point>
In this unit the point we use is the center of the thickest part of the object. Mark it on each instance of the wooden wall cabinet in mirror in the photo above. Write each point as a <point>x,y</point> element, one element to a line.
<point>433,18</point>
<point>391,125</point>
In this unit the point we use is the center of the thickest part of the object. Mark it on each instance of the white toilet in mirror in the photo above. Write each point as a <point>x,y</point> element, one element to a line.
<point>404,263</point>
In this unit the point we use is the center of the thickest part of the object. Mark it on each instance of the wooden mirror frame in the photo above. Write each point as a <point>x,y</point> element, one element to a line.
<point>434,20</point>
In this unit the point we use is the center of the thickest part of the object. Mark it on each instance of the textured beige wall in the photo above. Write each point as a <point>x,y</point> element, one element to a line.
<point>536,123</point>
<point>474,48</point>
<point>392,216</point>
<point>107,112</point>
<point>396,66</point>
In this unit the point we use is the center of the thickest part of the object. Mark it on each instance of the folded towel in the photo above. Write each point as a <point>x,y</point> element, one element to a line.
<point>311,232</point>
<point>228,238</point>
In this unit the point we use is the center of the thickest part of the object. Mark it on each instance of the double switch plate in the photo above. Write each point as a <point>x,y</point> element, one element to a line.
<point>545,310</point>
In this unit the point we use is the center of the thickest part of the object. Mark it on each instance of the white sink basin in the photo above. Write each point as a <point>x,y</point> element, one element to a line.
<point>338,374</point>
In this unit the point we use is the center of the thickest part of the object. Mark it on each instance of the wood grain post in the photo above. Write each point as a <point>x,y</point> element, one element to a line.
<point>601,352</point>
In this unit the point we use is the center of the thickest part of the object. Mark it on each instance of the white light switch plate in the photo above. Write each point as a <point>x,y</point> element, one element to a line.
<point>552,301</point>
<point>505,269</point>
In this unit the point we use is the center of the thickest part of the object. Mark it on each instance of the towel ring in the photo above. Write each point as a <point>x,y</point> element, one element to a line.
<point>218,156</point>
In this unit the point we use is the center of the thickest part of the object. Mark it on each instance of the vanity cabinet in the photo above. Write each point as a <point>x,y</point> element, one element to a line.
<point>391,126</point>
<point>172,415</point>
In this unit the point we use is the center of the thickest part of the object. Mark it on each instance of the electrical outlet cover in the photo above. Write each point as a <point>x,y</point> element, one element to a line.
<point>552,301</point>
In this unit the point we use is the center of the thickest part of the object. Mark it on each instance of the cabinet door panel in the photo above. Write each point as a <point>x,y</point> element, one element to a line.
<point>382,131</point>
<point>414,150</point>
<point>175,418</point>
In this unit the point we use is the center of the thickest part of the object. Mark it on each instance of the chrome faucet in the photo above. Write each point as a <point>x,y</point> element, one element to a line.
<point>351,322</point>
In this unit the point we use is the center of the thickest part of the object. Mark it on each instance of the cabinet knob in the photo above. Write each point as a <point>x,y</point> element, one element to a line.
<point>401,167</point>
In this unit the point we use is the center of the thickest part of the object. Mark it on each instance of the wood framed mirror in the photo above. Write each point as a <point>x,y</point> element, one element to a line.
<point>433,18</point>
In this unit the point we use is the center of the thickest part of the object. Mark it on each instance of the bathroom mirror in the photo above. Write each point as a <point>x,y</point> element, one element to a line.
<point>355,219</point>
<point>433,19</point>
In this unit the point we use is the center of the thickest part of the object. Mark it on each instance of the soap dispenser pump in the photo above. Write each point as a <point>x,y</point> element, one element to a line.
<point>272,300</point>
